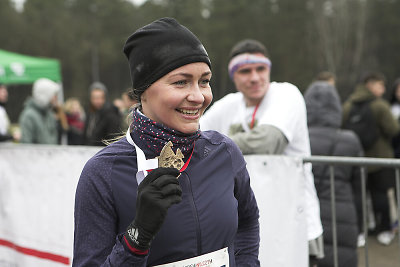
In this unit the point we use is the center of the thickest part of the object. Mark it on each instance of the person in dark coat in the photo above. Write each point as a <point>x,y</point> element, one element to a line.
<point>324,116</point>
<point>4,120</point>
<point>371,88</point>
<point>102,119</point>
<point>395,107</point>
<point>76,121</point>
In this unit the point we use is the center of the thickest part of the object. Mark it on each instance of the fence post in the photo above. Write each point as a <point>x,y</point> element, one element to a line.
<point>364,211</point>
<point>398,204</point>
<point>333,211</point>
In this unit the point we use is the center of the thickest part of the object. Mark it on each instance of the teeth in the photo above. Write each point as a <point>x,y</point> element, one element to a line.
<point>189,112</point>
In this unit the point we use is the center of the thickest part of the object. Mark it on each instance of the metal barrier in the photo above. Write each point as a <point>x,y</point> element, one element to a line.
<point>363,163</point>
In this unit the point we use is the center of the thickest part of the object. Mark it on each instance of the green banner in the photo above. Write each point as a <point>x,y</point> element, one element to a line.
<point>22,69</point>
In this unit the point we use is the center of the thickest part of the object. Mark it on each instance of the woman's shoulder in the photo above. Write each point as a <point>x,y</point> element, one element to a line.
<point>116,149</point>
<point>223,148</point>
<point>100,166</point>
<point>215,137</point>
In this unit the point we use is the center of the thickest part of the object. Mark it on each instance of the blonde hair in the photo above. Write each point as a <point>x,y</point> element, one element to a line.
<point>69,104</point>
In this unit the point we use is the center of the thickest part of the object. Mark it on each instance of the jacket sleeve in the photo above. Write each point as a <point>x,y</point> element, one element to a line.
<point>389,125</point>
<point>247,241</point>
<point>96,241</point>
<point>28,129</point>
<point>262,139</point>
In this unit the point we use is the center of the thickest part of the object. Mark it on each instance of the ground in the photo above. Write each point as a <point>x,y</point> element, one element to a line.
<point>379,255</point>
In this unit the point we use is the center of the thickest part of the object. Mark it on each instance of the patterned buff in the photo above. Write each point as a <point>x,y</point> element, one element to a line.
<point>155,135</point>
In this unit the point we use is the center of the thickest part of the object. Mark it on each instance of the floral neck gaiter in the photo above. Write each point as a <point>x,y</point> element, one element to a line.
<point>154,135</point>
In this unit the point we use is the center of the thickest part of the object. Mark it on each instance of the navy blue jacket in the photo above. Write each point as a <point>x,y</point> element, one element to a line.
<point>218,208</point>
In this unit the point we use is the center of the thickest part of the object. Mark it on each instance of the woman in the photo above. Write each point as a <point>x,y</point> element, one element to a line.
<point>205,207</point>
<point>76,121</point>
<point>395,107</point>
<point>39,120</point>
<point>324,115</point>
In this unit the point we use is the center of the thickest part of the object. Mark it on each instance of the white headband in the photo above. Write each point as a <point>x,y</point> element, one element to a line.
<point>246,58</point>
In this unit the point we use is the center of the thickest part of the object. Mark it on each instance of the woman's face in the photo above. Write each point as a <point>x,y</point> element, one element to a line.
<point>179,98</point>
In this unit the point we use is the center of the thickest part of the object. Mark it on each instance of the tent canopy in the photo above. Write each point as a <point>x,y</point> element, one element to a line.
<point>21,69</point>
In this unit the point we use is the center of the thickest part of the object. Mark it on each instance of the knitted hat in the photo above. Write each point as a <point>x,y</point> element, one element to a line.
<point>43,91</point>
<point>158,48</point>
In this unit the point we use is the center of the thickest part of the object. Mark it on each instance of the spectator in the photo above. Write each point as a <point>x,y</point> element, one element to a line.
<point>125,105</point>
<point>266,118</point>
<point>102,119</point>
<point>395,107</point>
<point>371,89</point>
<point>76,121</point>
<point>324,116</point>
<point>119,104</point>
<point>326,76</point>
<point>129,102</point>
<point>5,134</point>
<point>38,121</point>
<point>124,217</point>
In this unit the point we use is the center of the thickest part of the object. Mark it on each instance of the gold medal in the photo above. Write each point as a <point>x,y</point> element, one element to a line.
<point>168,159</point>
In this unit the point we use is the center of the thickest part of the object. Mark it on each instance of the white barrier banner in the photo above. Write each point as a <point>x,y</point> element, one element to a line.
<point>37,192</point>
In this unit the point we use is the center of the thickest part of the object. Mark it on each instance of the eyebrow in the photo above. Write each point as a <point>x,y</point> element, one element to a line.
<point>188,75</point>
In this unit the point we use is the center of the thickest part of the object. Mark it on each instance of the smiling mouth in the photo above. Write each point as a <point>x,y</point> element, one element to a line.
<point>188,112</point>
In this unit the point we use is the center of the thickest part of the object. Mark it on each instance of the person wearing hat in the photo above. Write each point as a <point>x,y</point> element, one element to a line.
<point>4,120</point>
<point>102,119</point>
<point>266,118</point>
<point>38,121</point>
<point>167,193</point>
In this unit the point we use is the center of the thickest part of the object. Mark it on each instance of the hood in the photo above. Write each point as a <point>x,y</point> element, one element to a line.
<point>43,91</point>
<point>323,105</point>
<point>30,104</point>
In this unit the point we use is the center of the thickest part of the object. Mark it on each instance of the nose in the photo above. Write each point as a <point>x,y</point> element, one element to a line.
<point>195,94</point>
<point>254,75</point>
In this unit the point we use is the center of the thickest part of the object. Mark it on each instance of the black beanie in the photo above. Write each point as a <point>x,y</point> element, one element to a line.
<point>158,48</point>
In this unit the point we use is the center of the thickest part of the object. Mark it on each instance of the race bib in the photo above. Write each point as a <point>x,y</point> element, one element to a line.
<point>219,258</point>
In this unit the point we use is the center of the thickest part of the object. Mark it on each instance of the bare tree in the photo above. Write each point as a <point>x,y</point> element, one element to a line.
<point>339,28</point>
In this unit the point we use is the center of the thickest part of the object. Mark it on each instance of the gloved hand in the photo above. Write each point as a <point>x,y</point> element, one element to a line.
<point>156,193</point>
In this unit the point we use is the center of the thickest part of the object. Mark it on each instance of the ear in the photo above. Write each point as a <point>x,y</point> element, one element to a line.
<point>143,97</point>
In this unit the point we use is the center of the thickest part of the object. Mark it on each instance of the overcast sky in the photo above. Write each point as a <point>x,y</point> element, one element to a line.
<point>19,3</point>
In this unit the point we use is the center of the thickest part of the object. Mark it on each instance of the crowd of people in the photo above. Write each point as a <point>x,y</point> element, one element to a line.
<point>44,120</point>
<point>170,92</point>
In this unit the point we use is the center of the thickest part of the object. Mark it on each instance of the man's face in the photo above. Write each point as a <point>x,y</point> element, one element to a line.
<point>3,94</point>
<point>97,98</point>
<point>376,87</point>
<point>252,80</point>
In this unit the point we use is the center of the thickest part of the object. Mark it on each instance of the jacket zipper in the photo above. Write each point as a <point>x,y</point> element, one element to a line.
<point>195,215</point>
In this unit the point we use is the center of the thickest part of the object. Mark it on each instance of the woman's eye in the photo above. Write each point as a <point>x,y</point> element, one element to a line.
<point>182,82</point>
<point>205,81</point>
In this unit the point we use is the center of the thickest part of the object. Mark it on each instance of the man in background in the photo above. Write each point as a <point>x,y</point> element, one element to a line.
<point>102,119</point>
<point>266,118</point>
<point>376,137</point>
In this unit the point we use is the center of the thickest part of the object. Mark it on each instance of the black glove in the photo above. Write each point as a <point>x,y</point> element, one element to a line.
<point>157,192</point>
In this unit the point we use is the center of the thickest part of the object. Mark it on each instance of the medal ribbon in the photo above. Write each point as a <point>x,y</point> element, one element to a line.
<point>253,117</point>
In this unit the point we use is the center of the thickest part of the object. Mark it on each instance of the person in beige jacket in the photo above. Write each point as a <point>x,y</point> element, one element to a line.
<point>371,89</point>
